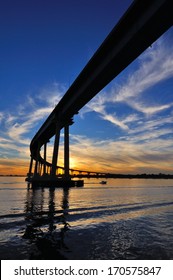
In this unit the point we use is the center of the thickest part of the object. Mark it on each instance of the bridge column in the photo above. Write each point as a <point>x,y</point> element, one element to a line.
<point>36,162</point>
<point>30,167</point>
<point>40,168</point>
<point>55,150</point>
<point>66,151</point>
<point>45,154</point>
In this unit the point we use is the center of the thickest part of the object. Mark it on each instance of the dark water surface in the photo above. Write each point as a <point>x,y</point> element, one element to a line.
<point>125,219</point>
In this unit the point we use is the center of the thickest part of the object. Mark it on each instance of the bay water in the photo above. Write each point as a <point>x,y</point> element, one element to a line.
<point>123,219</point>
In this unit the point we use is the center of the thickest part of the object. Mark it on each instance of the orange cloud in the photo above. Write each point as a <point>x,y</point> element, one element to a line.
<point>14,167</point>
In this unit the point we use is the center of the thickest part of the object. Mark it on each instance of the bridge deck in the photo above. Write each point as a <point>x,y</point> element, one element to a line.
<point>141,25</point>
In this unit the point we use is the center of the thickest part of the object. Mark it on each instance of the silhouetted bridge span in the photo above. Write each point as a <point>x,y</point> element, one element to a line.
<point>143,23</point>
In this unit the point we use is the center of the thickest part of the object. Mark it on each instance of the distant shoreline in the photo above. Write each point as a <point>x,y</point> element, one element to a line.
<point>9,175</point>
<point>141,176</point>
<point>117,176</point>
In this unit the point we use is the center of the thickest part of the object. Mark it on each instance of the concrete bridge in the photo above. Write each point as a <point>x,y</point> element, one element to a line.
<point>143,23</point>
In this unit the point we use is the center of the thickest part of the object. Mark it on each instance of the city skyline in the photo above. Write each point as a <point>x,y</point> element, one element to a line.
<point>126,128</point>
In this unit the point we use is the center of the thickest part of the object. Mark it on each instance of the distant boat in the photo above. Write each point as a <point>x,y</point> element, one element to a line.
<point>103,182</point>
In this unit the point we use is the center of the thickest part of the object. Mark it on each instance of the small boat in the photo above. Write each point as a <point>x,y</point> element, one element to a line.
<point>103,182</point>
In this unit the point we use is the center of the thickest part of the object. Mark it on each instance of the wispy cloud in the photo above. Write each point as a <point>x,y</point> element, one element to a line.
<point>154,66</point>
<point>1,116</point>
<point>31,112</point>
<point>19,126</point>
<point>121,155</point>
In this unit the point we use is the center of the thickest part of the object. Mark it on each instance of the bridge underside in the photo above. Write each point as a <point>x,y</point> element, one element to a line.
<point>143,23</point>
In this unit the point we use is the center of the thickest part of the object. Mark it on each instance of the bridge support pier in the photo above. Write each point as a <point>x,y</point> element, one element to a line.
<point>45,155</point>
<point>55,150</point>
<point>30,167</point>
<point>66,152</point>
<point>36,162</point>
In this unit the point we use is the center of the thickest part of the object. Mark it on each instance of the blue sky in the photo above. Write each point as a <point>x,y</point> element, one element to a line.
<point>126,128</point>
